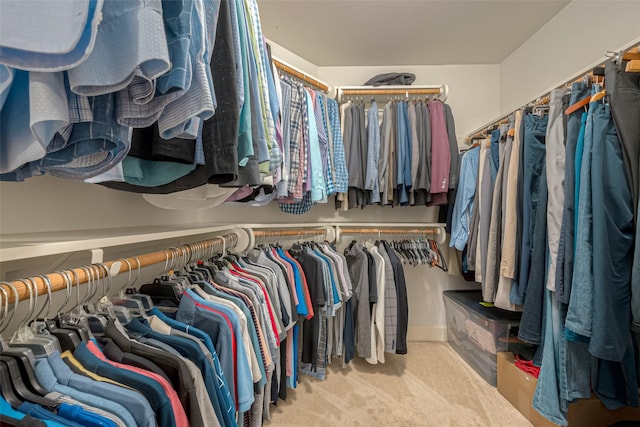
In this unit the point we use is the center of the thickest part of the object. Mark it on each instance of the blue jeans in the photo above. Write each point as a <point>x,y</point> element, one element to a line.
<point>613,236</point>
<point>531,322</point>
<point>580,310</point>
<point>564,271</point>
<point>547,399</point>
<point>534,151</point>
<point>566,366</point>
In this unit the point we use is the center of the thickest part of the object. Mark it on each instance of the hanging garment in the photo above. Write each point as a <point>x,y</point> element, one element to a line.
<point>440,154</point>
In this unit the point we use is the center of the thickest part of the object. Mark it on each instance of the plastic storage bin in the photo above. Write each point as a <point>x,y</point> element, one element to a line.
<point>477,332</point>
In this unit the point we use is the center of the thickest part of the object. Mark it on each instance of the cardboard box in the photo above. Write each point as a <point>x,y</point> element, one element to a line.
<point>518,387</point>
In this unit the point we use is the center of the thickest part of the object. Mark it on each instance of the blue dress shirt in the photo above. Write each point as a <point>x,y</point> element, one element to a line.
<point>133,401</point>
<point>38,411</point>
<point>222,389</point>
<point>464,199</point>
<point>95,397</point>
<point>7,410</point>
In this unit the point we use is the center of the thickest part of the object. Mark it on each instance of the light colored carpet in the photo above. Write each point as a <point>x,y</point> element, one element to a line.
<point>431,386</point>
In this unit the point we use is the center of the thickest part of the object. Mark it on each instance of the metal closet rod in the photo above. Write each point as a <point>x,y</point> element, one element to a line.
<point>299,74</point>
<point>133,263</point>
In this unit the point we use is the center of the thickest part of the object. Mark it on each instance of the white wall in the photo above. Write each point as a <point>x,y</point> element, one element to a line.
<point>291,58</point>
<point>572,42</point>
<point>473,89</point>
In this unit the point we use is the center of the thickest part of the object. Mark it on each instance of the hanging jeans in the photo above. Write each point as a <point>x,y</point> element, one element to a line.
<point>564,270</point>
<point>531,327</point>
<point>580,309</point>
<point>616,378</point>
<point>565,373</point>
<point>534,150</point>
<point>624,97</point>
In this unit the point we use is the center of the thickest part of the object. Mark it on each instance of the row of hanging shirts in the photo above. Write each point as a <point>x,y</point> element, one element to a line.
<point>210,343</point>
<point>197,107</point>
<point>405,154</point>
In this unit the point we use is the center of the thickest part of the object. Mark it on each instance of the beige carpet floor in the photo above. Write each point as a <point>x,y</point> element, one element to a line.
<point>431,386</point>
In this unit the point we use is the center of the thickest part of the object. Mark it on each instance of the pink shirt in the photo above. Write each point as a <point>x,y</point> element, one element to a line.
<point>440,154</point>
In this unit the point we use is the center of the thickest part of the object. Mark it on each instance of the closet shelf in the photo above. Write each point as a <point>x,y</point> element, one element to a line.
<point>23,246</point>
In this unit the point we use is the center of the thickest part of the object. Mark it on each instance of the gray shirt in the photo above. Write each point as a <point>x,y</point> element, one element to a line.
<point>453,146</point>
<point>391,304</point>
<point>359,271</point>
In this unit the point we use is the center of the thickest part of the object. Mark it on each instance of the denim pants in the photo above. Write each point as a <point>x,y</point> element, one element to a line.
<point>564,266</point>
<point>623,91</point>
<point>615,379</point>
<point>566,366</point>
<point>624,98</point>
<point>547,399</point>
<point>612,235</point>
<point>531,322</point>
<point>580,310</point>
<point>534,152</point>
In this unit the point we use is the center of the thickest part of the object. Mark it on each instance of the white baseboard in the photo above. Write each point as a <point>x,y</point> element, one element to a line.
<point>427,333</point>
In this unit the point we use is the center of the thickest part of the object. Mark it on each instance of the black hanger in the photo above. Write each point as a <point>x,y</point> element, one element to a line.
<point>24,357</point>
<point>6,387</point>
<point>64,321</point>
<point>161,293</point>
<point>20,387</point>
<point>68,338</point>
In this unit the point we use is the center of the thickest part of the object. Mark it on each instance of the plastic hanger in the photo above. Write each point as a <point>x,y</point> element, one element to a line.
<point>24,337</point>
<point>67,338</point>
<point>64,320</point>
<point>6,387</point>
<point>97,321</point>
<point>129,297</point>
<point>22,389</point>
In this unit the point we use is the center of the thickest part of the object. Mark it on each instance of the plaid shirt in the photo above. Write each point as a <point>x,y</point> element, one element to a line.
<point>341,174</point>
<point>329,168</point>
<point>257,41</point>
<point>324,142</point>
<point>286,137</point>
<point>297,208</point>
<point>305,159</point>
<point>295,143</point>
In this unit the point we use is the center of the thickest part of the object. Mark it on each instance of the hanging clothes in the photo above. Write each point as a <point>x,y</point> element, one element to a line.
<point>399,150</point>
<point>380,306</point>
<point>554,208</point>
<point>195,109</point>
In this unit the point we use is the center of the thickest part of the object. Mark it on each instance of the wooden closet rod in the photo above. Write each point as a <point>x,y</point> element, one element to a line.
<point>58,282</point>
<point>347,92</point>
<point>628,55</point>
<point>347,230</point>
<point>441,90</point>
<point>285,233</point>
<point>300,75</point>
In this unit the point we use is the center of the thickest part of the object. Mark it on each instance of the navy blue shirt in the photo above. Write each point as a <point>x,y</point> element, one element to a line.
<point>149,388</point>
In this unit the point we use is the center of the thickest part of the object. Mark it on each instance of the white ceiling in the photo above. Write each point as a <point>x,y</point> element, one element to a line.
<point>401,32</point>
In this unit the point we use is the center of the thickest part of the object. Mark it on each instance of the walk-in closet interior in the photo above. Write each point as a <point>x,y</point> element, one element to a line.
<point>317,213</point>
